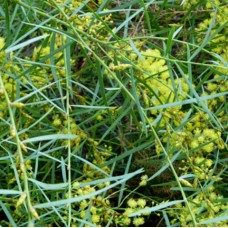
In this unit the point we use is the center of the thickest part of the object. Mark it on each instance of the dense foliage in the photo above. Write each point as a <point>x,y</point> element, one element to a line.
<point>113,113</point>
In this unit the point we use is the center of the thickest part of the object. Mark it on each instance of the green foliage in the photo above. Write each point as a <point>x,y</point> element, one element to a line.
<point>113,113</point>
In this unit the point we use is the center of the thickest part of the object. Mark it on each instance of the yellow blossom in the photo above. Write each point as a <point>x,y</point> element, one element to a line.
<point>138,221</point>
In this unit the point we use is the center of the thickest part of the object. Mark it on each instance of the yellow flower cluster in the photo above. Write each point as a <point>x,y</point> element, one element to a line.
<point>42,75</point>
<point>8,81</point>
<point>201,141</point>
<point>119,66</point>
<point>206,140</point>
<point>77,3</point>
<point>92,26</point>
<point>101,209</point>
<point>140,203</point>
<point>61,123</point>
<point>143,181</point>
<point>217,43</point>
<point>206,205</point>
<point>158,87</point>
<point>203,168</point>
<point>206,4</point>
<point>98,207</point>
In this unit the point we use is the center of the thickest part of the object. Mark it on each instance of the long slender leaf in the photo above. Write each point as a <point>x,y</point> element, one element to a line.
<point>80,198</point>
<point>156,208</point>
<point>50,137</point>
<point>26,43</point>
<point>49,186</point>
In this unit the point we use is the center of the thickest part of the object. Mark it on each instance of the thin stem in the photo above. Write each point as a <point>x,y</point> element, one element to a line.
<point>67,70</point>
<point>19,149</point>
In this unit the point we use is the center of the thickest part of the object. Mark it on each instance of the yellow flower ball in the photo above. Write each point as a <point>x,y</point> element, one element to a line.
<point>141,203</point>
<point>95,218</point>
<point>132,203</point>
<point>138,221</point>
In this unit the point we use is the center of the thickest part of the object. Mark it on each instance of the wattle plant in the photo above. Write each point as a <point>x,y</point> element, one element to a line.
<point>113,113</point>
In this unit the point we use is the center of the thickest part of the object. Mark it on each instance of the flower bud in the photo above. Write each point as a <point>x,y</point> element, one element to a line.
<point>186,183</point>
<point>12,131</point>
<point>23,147</point>
<point>34,213</point>
<point>21,199</point>
<point>17,105</point>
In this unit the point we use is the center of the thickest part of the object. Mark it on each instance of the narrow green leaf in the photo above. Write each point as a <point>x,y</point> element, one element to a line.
<point>92,107</point>
<point>87,196</point>
<point>49,186</point>
<point>50,137</point>
<point>188,101</point>
<point>10,192</point>
<point>176,32</point>
<point>8,214</point>
<point>156,208</point>
<point>26,43</point>
<point>214,220</point>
